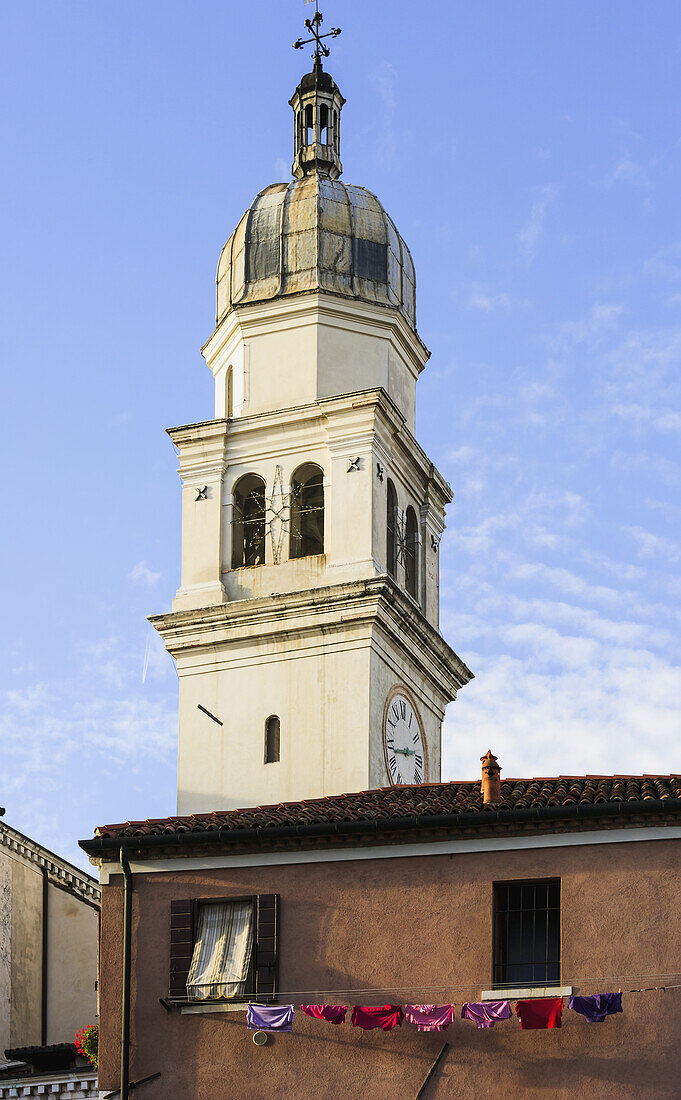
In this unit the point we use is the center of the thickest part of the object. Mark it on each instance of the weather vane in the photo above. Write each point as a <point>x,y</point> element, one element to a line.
<point>313,26</point>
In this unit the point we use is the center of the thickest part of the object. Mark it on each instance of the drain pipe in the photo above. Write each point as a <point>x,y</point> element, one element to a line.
<point>125,999</point>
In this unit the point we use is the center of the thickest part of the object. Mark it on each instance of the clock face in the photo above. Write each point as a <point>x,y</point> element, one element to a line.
<point>403,741</point>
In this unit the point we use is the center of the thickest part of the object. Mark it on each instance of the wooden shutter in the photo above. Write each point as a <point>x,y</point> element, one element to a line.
<point>266,935</point>
<point>181,945</point>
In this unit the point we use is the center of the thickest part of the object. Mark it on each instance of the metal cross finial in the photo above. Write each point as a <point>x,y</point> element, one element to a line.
<point>313,26</point>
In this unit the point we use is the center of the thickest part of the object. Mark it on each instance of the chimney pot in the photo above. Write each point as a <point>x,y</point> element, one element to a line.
<point>491,778</point>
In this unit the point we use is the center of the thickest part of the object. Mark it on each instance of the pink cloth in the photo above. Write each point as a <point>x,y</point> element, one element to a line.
<point>430,1017</point>
<point>486,1013</point>
<point>333,1014</point>
<point>384,1016</point>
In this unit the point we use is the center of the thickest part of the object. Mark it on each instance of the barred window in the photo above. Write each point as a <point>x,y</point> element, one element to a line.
<point>527,933</point>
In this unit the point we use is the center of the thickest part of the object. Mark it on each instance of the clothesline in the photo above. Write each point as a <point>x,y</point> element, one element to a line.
<point>668,982</point>
<point>534,1013</point>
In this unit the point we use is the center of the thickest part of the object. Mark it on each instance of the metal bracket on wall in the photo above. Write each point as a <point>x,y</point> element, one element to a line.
<point>202,494</point>
<point>379,472</point>
<point>205,711</point>
<point>434,542</point>
<point>354,464</point>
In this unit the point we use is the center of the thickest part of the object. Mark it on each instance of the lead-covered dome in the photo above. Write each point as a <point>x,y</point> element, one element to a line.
<point>316,233</point>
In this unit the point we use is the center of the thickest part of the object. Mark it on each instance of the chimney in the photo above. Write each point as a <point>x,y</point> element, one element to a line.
<point>491,778</point>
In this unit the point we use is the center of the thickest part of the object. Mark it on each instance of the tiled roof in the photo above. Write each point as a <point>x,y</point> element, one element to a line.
<point>424,800</point>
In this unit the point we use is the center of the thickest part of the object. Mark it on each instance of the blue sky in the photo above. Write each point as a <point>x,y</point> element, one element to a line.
<point>530,155</point>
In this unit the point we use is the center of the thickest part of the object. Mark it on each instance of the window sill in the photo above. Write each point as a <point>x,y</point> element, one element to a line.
<point>523,994</point>
<point>212,1006</point>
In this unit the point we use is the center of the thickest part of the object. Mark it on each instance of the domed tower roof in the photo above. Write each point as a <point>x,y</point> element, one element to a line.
<point>316,233</point>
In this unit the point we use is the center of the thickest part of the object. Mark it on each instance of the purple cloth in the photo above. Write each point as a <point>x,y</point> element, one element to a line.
<point>597,1007</point>
<point>430,1017</point>
<point>269,1017</point>
<point>486,1013</point>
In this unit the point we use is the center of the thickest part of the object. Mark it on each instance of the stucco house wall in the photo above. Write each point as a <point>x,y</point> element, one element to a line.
<point>421,926</point>
<point>72,915</point>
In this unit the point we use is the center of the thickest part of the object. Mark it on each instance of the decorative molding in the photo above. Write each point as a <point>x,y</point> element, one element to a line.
<point>59,872</point>
<point>421,849</point>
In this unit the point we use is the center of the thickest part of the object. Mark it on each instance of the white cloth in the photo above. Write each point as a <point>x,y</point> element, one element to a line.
<point>222,951</point>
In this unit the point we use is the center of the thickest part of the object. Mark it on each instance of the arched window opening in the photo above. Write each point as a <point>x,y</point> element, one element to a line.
<point>411,564</point>
<point>391,528</point>
<point>229,393</point>
<point>309,124</point>
<point>324,124</point>
<point>272,739</point>
<point>335,130</point>
<point>248,523</point>
<point>307,511</point>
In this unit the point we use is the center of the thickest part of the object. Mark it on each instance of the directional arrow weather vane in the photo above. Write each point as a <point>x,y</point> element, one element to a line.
<point>313,26</point>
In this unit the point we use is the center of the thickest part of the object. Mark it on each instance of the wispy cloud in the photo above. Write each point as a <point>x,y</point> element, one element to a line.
<point>531,233</point>
<point>141,573</point>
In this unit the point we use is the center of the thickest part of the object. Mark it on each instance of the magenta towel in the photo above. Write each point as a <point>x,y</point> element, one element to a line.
<point>430,1017</point>
<point>269,1017</point>
<point>333,1014</point>
<point>486,1013</point>
<point>384,1016</point>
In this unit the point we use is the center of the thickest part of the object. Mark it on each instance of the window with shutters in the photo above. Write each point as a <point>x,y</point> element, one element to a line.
<point>223,948</point>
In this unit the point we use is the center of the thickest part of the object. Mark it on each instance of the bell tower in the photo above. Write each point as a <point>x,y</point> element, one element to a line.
<point>305,628</point>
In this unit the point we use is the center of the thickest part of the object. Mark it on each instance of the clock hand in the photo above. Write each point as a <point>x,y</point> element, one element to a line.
<point>406,752</point>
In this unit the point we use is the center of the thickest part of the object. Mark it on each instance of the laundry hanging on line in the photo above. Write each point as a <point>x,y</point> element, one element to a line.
<point>540,1012</point>
<point>486,1013</point>
<point>430,1017</point>
<point>333,1014</point>
<point>269,1017</point>
<point>384,1016</point>
<point>596,1008</point>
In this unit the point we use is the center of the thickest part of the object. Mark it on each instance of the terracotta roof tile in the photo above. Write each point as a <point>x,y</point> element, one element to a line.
<point>426,799</point>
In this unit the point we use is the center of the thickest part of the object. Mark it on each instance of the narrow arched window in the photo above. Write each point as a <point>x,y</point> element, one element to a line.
<point>272,739</point>
<point>391,529</point>
<point>229,393</point>
<point>411,563</point>
<point>309,124</point>
<point>324,124</point>
<point>307,511</point>
<point>248,522</point>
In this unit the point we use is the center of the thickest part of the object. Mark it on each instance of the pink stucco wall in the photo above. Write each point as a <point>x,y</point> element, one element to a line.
<point>412,922</point>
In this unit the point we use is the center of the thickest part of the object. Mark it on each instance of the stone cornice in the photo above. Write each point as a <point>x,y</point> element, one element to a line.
<point>59,872</point>
<point>377,600</point>
<point>214,432</point>
<point>249,319</point>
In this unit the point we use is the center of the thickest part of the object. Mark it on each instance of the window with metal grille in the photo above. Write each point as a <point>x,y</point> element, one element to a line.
<point>527,933</point>
<point>307,511</point>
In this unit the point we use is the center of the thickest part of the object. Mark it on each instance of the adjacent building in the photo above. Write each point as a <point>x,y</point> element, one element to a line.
<point>49,925</point>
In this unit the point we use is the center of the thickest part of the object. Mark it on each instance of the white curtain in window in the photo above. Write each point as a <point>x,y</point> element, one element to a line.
<point>222,951</point>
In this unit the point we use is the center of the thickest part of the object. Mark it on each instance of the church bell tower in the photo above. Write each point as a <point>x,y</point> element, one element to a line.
<point>305,629</point>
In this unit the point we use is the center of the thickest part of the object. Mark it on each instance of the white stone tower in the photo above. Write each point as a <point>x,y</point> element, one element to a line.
<point>305,629</point>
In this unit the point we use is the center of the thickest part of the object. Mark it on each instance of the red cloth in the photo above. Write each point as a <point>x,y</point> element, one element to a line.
<point>542,1012</point>
<point>333,1014</point>
<point>384,1016</point>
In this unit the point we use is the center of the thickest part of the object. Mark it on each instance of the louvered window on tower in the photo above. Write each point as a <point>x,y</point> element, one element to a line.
<point>391,529</point>
<point>307,512</point>
<point>248,522</point>
<point>527,933</point>
<point>411,562</point>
